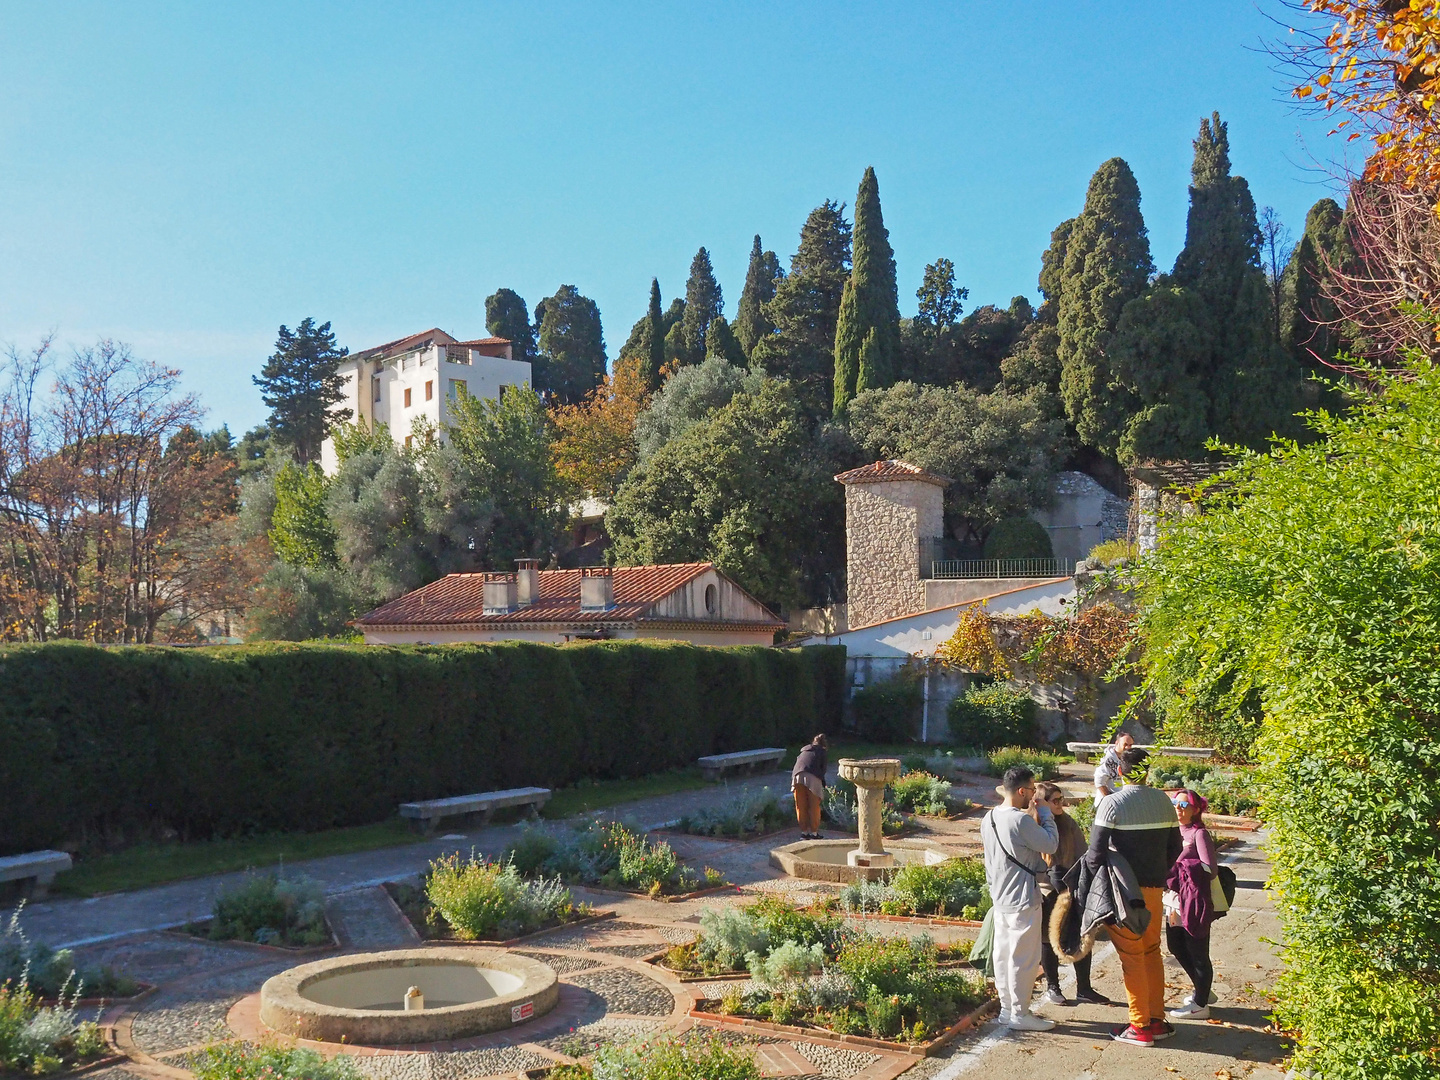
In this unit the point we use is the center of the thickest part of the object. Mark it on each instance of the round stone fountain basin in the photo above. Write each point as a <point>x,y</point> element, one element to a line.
<point>827,860</point>
<point>361,998</point>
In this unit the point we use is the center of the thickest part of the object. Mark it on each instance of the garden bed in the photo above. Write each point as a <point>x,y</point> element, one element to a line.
<point>694,971</point>
<point>706,1011</point>
<point>200,928</point>
<point>609,857</point>
<point>417,910</point>
<point>659,898</point>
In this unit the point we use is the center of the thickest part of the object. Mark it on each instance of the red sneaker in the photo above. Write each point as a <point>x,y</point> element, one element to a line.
<point>1160,1030</point>
<point>1129,1033</point>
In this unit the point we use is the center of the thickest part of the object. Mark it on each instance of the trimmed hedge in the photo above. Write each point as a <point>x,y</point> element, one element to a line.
<point>281,736</point>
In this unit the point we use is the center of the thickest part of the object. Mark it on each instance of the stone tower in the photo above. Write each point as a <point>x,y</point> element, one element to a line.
<point>890,507</point>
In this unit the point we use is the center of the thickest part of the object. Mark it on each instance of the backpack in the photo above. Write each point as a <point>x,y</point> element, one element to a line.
<point>1222,891</point>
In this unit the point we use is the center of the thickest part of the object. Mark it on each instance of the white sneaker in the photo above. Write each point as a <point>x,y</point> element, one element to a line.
<point>1004,1020</point>
<point>1031,1022</point>
<point>1190,1011</point>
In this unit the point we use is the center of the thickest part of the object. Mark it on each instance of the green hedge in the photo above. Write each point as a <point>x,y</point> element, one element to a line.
<point>277,736</point>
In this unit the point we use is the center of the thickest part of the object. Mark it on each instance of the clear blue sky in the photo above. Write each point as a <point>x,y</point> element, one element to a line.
<point>187,177</point>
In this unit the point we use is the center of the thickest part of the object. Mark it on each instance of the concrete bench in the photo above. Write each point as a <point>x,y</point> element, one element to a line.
<point>1083,750</point>
<point>424,815</point>
<point>38,869</point>
<point>716,765</point>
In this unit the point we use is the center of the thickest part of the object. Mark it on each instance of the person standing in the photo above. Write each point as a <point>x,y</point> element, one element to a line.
<point>1069,850</point>
<point>807,781</point>
<point>1141,824</point>
<point>1188,931</point>
<point>1111,768</point>
<point>1017,835</point>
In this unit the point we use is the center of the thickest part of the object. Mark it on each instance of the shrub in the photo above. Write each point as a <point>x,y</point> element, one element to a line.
<point>728,935</point>
<point>841,808</point>
<point>786,966</point>
<point>753,812</point>
<point>705,1057</point>
<point>1045,766</point>
<point>39,1039</point>
<point>1165,771</point>
<point>248,738</point>
<point>48,971</point>
<point>955,887</point>
<point>608,853</point>
<point>481,900</point>
<point>1230,793</point>
<point>271,910</point>
<point>922,793</point>
<point>1018,538</point>
<point>889,711</point>
<point>246,1061</point>
<point>990,716</point>
<point>1084,813</point>
<point>780,921</point>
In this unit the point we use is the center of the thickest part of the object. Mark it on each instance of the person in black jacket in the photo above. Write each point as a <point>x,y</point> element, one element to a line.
<point>807,780</point>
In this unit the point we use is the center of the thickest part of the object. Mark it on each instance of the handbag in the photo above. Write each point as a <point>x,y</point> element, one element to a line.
<point>982,952</point>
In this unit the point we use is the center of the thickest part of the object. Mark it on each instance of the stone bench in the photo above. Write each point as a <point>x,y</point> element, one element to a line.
<point>38,869</point>
<point>424,815</point>
<point>715,766</point>
<point>1083,750</point>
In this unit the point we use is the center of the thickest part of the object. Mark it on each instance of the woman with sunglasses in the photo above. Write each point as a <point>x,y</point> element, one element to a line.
<point>1187,932</point>
<point>1069,850</point>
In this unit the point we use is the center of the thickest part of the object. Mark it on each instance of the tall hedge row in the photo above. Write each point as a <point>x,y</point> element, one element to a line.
<point>217,741</point>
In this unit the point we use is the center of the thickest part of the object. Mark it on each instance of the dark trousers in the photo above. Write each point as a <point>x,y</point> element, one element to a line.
<point>1049,962</point>
<point>1193,952</point>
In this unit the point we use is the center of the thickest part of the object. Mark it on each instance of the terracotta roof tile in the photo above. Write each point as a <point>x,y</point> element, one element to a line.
<point>1177,474</point>
<point>487,341</point>
<point>460,598</point>
<point>891,469</point>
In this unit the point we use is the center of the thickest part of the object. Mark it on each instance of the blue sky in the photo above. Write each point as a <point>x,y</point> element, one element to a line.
<point>187,177</point>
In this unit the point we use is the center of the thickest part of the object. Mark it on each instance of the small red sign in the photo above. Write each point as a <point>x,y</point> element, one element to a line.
<point>522,1012</point>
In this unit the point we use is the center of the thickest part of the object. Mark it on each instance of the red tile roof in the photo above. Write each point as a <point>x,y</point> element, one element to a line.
<point>460,599</point>
<point>404,344</point>
<point>892,469</point>
<point>487,341</point>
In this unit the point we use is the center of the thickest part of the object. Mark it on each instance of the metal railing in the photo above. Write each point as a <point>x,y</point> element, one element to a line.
<point>995,568</point>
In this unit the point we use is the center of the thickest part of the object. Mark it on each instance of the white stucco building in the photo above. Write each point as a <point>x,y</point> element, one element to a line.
<point>421,376</point>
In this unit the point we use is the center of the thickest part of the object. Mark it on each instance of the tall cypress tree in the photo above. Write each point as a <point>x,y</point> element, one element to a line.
<point>572,346</point>
<point>507,316</point>
<point>805,308</point>
<point>1107,264</point>
<point>1308,318</point>
<point>655,346</point>
<point>721,342</point>
<point>751,322</point>
<point>870,302</point>
<point>703,301</point>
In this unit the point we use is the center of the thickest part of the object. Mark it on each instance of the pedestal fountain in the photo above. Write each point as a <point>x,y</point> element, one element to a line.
<point>870,776</point>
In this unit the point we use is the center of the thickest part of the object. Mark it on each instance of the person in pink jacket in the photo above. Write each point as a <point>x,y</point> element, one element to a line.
<point>1187,932</point>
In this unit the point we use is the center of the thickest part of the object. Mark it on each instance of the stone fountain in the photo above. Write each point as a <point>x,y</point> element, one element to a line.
<point>841,860</point>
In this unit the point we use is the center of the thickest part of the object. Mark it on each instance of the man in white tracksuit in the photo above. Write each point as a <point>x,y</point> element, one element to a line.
<point>1016,834</point>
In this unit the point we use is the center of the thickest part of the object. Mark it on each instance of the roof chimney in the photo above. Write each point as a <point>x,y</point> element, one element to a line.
<point>499,594</point>
<point>597,588</point>
<point>527,580</point>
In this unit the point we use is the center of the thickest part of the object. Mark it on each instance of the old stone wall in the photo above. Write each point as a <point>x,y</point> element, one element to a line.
<point>884,523</point>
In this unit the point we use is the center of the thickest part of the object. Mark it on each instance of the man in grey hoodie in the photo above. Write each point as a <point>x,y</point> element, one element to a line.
<point>1016,834</point>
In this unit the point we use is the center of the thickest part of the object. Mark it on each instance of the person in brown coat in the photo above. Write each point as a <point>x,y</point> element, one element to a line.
<point>1069,851</point>
<point>807,780</point>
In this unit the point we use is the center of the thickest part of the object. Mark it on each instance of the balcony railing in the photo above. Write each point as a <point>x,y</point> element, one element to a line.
<point>994,568</point>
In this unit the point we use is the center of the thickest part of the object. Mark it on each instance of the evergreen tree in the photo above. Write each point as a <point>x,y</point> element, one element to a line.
<point>300,384</point>
<point>751,321</point>
<point>720,341</point>
<point>1107,264</point>
<point>703,302</point>
<point>508,316</point>
<point>1252,383</point>
<point>870,302</point>
<point>655,343</point>
<point>805,307</point>
<point>1035,358</point>
<point>571,344</point>
<point>1308,318</point>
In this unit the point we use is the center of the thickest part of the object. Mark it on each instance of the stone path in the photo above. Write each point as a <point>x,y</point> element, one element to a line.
<point>369,919</point>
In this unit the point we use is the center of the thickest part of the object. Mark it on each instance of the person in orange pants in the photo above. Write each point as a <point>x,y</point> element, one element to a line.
<point>1143,969</point>
<point>807,780</point>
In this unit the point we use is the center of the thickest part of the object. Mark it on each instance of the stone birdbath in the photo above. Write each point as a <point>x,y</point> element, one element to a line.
<point>870,777</point>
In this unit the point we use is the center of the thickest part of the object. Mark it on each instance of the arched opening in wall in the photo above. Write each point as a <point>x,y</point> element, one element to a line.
<point>710,599</point>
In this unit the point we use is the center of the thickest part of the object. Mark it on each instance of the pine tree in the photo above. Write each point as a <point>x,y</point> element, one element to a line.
<point>300,384</point>
<point>720,341</point>
<point>1252,384</point>
<point>805,308</point>
<point>572,346</point>
<point>1107,264</point>
<point>655,343</point>
<point>703,301</point>
<point>507,316</point>
<point>870,302</point>
<point>751,321</point>
<point>1308,318</point>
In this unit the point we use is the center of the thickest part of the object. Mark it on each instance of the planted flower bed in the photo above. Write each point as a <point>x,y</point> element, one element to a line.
<point>925,794</point>
<point>474,900</point>
<point>746,817</point>
<point>266,909</point>
<point>953,889</point>
<point>691,1058</point>
<point>51,974</point>
<point>730,936</point>
<point>608,855</point>
<point>841,809</point>
<point>37,1039</point>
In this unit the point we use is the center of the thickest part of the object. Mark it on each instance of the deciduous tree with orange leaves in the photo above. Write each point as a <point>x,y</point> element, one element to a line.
<point>595,447</point>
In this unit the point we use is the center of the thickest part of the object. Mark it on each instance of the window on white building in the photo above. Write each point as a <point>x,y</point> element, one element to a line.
<point>458,389</point>
<point>375,388</point>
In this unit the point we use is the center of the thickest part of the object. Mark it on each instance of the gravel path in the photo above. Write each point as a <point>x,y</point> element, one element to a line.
<point>457,1066</point>
<point>626,991</point>
<point>561,965</point>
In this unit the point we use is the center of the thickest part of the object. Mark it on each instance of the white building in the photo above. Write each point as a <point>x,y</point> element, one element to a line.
<point>422,376</point>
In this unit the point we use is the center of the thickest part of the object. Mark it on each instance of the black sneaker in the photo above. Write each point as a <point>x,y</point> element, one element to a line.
<point>1092,997</point>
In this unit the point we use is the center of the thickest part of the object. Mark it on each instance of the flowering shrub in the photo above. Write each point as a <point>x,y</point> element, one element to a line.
<point>244,1061</point>
<point>480,899</point>
<point>922,793</point>
<point>39,1039</point>
<point>271,910</point>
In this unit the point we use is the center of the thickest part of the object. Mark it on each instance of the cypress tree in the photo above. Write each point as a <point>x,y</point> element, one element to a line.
<point>1307,317</point>
<point>870,302</point>
<point>751,321</point>
<point>805,308</point>
<point>655,345</point>
<point>720,341</point>
<point>1107,264</point>
<point>507,316</point>
<point>572,345</point>
<point>703,301</point>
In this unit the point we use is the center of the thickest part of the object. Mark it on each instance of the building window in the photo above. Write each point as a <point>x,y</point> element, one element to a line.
<point>710,599</point>
<point>408,438</point>
<point>429,389</point>
<point>503,389</point>
<point>405,362</point>
<point>407,397</point>
<point>458,389</point>
<point>375,388</point>
<point>458,356</point>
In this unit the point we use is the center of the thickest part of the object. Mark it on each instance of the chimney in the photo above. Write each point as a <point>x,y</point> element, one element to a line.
<point>597,588</point>
<point>527,580</point>
<point>499,594</point>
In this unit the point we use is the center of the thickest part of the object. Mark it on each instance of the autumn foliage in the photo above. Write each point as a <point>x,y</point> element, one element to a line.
<point>1042,648</point>
<point>595,444</point>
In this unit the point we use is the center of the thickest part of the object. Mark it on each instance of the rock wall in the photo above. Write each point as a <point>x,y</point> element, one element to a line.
<point>884,523</point>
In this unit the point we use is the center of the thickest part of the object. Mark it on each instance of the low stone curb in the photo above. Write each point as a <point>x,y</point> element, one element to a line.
<point>918,920</point>
<point>278,950</point>
<point>144,990</point>
<point>598,916</point>
<point>673,899</point>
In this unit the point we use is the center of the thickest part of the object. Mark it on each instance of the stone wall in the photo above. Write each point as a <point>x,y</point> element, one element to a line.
<point>884,523</point>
